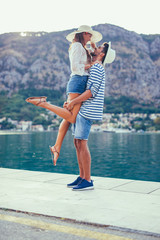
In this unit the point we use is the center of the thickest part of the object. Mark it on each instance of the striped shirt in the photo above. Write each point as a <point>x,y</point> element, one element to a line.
<point>92,108</point>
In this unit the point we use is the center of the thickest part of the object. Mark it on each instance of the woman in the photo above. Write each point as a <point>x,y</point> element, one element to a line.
<point>80,61</point>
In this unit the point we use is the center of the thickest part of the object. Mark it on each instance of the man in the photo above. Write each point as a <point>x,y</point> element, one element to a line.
<point>91,109</point>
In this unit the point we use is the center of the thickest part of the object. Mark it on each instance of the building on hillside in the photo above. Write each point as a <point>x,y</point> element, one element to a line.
<point>38,128</point>
<point>24,126</point>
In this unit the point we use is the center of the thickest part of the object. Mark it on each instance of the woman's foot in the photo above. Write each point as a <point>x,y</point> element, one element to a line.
<point>36,100</point>
<point>55,154</point>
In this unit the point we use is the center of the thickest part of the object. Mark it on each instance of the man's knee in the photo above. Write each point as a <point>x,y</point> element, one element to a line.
<point>80,144</point>
<point>77,143</point>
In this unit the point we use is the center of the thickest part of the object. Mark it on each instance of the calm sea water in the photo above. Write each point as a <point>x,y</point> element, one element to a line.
<point>127,155</point>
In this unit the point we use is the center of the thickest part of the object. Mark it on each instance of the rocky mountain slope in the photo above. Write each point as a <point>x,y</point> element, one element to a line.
<point>40,60</point>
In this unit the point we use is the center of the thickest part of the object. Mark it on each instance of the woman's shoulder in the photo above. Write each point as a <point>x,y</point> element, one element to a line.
<point>76,45</point>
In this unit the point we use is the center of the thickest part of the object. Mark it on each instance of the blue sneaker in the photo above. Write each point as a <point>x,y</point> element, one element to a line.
<point>84,185</point>
<point>75,183</point>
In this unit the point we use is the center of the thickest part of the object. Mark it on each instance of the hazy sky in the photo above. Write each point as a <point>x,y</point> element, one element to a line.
<point>141,16</point>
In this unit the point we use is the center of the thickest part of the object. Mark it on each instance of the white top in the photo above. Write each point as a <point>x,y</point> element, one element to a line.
<point>78,59</point>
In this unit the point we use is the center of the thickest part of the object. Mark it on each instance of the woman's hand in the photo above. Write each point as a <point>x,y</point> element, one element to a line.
<point>70,105</point>
<point>65,105</point>
<point>93,45</point>
<point>88,65</point>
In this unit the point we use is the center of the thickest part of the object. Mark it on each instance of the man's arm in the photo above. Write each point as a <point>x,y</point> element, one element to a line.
<point>81,98</point>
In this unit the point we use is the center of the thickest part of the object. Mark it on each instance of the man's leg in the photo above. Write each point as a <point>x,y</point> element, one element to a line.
<point>84,159</point>
<point>84,162</point>
<point>77,146</point>
<point>81,130</point>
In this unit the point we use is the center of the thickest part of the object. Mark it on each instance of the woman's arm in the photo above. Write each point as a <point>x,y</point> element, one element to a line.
<point>88,65</point>
<point>91,49</point>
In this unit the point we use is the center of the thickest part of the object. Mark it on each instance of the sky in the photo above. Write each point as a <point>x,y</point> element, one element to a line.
<point>141,16</point>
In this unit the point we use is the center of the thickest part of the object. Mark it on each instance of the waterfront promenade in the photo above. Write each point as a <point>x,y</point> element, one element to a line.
<point>120,203</point>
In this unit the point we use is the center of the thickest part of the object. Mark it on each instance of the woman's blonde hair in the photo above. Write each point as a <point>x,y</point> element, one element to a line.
<point>79,38</point>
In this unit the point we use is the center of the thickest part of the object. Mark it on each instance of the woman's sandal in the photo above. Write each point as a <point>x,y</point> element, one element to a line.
<point>41,99</point>
<point>53,149</point>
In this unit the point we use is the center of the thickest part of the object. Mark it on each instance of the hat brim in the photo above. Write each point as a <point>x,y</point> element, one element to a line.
<point>96,36</point>
<point>110,56</point>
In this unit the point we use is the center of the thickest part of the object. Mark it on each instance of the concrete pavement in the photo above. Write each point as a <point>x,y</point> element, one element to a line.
<point>120,203</point>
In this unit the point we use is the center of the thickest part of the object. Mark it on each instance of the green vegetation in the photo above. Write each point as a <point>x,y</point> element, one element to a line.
<point>41,120</point>
<point>6,125</point>
<point>125,104</point>
<point>16,108</point>
<point>142,124</point>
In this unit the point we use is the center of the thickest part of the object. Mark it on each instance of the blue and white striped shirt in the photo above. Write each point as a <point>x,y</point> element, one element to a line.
<point>92,108</point>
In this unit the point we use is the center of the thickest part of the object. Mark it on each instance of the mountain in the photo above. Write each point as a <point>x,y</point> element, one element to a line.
<point>40,60</point>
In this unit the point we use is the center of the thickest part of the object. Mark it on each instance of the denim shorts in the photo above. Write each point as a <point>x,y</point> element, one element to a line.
<point>81,128</point>
<point>77,84</point>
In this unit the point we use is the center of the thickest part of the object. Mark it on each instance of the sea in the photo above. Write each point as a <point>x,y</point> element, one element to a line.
<point>134,156</point>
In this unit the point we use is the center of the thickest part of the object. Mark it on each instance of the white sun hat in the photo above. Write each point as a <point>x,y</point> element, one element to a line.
<point>110,56</point>
<point>96,36</point>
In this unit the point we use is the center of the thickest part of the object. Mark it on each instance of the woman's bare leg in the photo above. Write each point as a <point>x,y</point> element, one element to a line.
<point>70,116</point>
<point>64,128</point>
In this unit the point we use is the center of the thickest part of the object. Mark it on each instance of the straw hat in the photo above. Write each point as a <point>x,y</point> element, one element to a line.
<point>110,56</point>
<point>96,36</point>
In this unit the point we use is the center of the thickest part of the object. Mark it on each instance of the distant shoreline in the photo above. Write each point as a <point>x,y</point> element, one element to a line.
<point>10,132</point>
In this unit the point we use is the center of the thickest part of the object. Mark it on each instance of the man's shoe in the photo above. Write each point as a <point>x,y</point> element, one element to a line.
<point>75,183</point>
<point>84,185</point>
